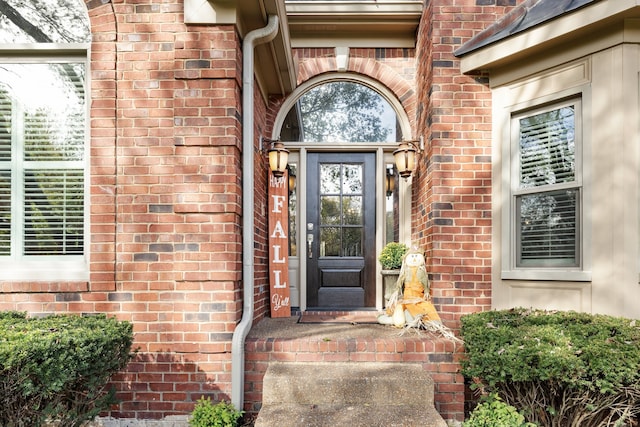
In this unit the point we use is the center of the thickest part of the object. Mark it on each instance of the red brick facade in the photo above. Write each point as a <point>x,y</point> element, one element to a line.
<point>166,190</point>
<point>451,204</point>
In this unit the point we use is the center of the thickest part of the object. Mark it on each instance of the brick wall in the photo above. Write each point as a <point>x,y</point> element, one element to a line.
<point>451,211</point>
<point>165,191</point>
<point>166,203</point>
<point>393,68</point>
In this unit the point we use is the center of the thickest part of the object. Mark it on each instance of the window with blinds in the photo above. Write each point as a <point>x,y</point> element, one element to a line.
<point>547,191</point>
<point>42,166</point>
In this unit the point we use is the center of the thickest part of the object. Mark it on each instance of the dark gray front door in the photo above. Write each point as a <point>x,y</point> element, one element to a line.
<point>341,216</point>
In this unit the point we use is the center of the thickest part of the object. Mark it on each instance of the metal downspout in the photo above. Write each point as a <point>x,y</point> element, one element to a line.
<point>253,38</point>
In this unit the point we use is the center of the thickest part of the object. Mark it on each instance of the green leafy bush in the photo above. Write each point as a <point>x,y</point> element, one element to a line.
<point>206,414</point>
<point>391,255</point>
<point>56,369</point>
<point>560,368</point>
<point>494,412</point>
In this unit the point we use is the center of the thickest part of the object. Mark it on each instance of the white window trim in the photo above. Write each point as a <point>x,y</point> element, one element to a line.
<point>509,271</point>
<point>54,268</point>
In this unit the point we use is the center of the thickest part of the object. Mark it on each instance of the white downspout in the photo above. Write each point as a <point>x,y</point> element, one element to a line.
<point>253,38</point>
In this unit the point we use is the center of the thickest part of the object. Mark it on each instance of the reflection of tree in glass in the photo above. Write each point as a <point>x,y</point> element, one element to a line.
<point>352,179</point>
<point>44,21</point>
<point>547,148</point>
<point>343,112</point>
<point>51,136</point>
<point>352,210</point>
<point>352,245</point>
<point>330,178</point>
<point>293,209</point>
<point>329,210</point>
<point>548,225</point>
<point>330,241</point>
<point>341,208</point>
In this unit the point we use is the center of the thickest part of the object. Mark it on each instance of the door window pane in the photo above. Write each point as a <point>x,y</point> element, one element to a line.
<point>330,177</point>
<point>330,241</point>
<point>352,179</point>
<point>352,241</point>
<point>330,210</point>
<point>352,210</point>
<point>341,209</point>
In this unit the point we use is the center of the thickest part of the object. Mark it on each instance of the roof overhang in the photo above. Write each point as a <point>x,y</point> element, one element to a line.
<point>584,24</point>
<point>275,67</point>
<point>364,23</point>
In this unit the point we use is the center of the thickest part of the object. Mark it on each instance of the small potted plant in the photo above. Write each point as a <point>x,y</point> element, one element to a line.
<point>391,260</point>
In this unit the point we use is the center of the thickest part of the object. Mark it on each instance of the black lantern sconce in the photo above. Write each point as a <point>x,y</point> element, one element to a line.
<point>405,157</point>
<point>278,155</point>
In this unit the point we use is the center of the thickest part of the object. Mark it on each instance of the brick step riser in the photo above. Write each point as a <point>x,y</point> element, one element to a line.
<point>439,358</point>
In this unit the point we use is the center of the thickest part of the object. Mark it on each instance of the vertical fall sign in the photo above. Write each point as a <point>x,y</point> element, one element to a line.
<point>279,246</point>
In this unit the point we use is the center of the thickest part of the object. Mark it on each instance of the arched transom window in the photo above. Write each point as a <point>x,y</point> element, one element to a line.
<point>341,111</point>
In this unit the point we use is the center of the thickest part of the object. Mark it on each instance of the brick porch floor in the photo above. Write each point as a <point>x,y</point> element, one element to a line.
<point>287,340</point>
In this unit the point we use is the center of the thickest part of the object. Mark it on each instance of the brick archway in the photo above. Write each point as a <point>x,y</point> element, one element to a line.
<point>103,124</point>
<point>389,69</point>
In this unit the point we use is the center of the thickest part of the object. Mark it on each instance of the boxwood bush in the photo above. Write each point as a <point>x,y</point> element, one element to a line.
<point>558,368</point>
<point>56,369</point>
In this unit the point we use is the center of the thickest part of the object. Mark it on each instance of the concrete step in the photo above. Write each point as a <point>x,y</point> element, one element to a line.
<point>347,394</point>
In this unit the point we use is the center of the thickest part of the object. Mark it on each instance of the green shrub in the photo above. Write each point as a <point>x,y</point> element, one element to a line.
<point>494,412</point>
<point>56,368</point>
<point>560,368</point>
<point>206,414</point>
<point>391,255</point>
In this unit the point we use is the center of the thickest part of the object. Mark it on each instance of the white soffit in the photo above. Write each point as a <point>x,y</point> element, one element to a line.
<point>364,23</point>
<point>209,12</point>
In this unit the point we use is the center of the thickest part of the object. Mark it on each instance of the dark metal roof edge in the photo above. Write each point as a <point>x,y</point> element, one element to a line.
<point>516,22</point>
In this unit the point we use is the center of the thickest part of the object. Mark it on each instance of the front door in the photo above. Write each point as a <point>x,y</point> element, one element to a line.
<point>341,216</point>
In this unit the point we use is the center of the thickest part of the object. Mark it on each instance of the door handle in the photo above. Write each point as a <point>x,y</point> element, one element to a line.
<point>310,245</point>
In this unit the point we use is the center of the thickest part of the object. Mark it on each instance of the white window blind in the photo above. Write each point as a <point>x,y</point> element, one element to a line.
<point>53,212</point>
<point>5,213</point>
<point>5,174</point>
<point>547,197</point>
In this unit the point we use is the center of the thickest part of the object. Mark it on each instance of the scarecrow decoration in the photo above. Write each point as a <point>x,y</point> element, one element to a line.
<point>410,304</point>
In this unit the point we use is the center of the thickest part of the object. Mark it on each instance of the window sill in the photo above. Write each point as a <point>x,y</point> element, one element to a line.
<point>547,275</point>
<point>48,271</point>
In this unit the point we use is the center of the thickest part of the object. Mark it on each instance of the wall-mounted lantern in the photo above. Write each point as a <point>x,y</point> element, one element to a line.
<point>405,157</point>
<point>278,155</point>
